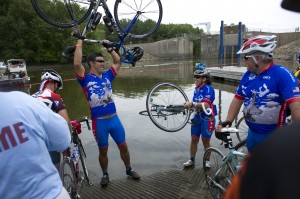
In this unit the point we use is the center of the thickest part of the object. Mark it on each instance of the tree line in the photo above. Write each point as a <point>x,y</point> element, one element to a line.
<point>25,35</point>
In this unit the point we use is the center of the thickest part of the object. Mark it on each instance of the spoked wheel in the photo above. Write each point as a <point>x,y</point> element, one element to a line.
<point>243,129</point>
<point>165,107</point>
<point>150,12</point>
<point>241,147</point>
<point>60,14</point>
<point>68,177</point>
<point>218,175</point>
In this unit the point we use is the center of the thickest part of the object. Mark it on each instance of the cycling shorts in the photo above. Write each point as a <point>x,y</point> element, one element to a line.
<point>103,127</point>
<point>202,126</point>
<point>254,138</point>
<point>55,157</point>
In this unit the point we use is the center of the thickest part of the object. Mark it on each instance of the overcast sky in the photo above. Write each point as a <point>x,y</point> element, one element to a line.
<point>255,14</point>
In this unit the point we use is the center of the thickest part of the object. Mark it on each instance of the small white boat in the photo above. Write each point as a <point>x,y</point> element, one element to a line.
<point>14,73</point>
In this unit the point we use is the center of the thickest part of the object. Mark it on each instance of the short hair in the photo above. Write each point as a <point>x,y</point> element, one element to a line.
<point>92,57</point>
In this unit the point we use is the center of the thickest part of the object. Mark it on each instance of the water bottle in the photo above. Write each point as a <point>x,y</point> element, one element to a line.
<point>75,154</point>
<point>108,24</point>
<point>96,21</point>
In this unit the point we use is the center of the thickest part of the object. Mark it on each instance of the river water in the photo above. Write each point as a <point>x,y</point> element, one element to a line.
<point>151,149</point>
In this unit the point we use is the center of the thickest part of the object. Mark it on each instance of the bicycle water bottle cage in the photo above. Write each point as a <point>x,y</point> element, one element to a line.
<point>131,56</point>
<point>96,20</point>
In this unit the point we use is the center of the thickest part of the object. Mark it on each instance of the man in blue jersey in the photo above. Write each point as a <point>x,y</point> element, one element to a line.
<point>28,130</point>
<point>98,90</point>
<point>266,89</point>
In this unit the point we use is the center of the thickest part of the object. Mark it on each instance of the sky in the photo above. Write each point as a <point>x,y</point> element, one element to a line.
<point>255,14</point>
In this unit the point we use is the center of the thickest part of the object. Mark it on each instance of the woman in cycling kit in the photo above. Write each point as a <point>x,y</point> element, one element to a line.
<point>202,124</point>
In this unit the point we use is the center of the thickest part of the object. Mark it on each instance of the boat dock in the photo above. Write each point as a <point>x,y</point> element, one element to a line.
<point>231,73</point>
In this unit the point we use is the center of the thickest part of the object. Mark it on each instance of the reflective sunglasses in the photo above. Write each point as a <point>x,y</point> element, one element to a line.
<point>246,57</point>
<point>100,60</point>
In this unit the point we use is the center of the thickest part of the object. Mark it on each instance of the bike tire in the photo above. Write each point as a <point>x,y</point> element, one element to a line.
<point>124,13</point>
<point>224,175</point>
<point>57,13</point>
<point>243,129</point>
<point>68,176</point>
<point>83,168</point>
<point>166,94</point>
<point>241,146</point>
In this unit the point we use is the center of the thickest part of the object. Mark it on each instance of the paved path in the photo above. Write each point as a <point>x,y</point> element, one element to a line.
<point>183,184</point>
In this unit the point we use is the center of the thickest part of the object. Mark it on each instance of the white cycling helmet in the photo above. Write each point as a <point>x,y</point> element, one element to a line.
<point>260,43</point>
<point>52,74</point>
<point>202,73</point>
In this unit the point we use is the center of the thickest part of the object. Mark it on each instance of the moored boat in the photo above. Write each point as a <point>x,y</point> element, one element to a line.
<point>14,73</point>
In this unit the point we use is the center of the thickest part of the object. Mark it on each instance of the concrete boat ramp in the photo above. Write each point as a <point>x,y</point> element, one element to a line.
<point>182,184</point>
<point>231,73</point>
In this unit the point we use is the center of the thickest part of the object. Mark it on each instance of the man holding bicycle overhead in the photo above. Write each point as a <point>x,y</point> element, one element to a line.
<point>98,90</point>
<point>51,83</point>
<point>202,124</point>
<point>266,89</point>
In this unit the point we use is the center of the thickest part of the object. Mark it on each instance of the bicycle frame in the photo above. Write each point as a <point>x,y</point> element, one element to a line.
<point>102,3</point>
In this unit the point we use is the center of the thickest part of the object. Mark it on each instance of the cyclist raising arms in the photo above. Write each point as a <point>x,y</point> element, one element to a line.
<point>266,89</point>
<point>98,90</point>
<point>51,83</point>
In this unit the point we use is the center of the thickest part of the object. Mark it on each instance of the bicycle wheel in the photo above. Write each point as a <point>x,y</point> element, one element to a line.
<point>243,129</point>
<point>60,14</point>
<point>162,102</point>
<point>83,172</point>
<point>68,177</point>
<point>219,175</point>
<point>148,21</point>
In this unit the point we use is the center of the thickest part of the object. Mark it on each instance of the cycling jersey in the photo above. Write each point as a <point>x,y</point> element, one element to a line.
<point>52,100</point>
<point>202,123</point>
<point>98,92</point>
<point>267,96</point>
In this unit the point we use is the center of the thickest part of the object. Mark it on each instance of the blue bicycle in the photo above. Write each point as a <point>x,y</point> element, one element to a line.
<point>129,15</point>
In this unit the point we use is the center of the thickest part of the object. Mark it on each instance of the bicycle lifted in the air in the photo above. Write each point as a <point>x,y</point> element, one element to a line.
<point>127,15</point>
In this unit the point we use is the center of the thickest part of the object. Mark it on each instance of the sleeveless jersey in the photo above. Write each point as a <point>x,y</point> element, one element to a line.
<point>267,96</point>
<point>98,92</point>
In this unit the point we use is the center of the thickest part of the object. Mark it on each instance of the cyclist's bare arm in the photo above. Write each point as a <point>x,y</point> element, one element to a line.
<point>233,111</point>
<point>65,115</point>
<point>79,69</point>
<point>295,109</point>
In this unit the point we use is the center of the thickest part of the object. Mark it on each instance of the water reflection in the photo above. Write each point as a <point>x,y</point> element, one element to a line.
<point>151,149</point>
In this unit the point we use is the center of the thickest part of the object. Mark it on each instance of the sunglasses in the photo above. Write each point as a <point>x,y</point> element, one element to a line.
<point>246,57</point>
<point>197,76</point>
<point>100,61</point>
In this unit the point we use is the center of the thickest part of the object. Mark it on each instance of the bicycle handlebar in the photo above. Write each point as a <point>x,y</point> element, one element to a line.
<point>87,122</point>
<point>100,42</point>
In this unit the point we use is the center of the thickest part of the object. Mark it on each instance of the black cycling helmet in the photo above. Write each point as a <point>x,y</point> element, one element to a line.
<point>52,74</point>
<point>137,52</point>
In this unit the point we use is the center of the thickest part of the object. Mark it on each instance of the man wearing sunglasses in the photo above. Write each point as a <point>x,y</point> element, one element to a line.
<point>266,89</point>
<point>98,90</point>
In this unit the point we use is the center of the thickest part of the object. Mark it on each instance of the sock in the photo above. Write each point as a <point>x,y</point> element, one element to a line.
<point>193,159</point>
<point>105,173</point>
<point>128,169</point>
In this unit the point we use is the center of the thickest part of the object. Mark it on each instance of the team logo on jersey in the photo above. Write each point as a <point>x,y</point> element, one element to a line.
<point>56,102</point>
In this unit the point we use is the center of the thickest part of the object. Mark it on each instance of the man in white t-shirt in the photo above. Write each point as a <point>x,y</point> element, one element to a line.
<point>28,130</point>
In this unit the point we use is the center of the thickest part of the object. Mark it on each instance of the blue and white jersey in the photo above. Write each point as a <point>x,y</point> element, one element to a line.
<point>267,96</point>
<point>98,92</point>
<point>205,93</point>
